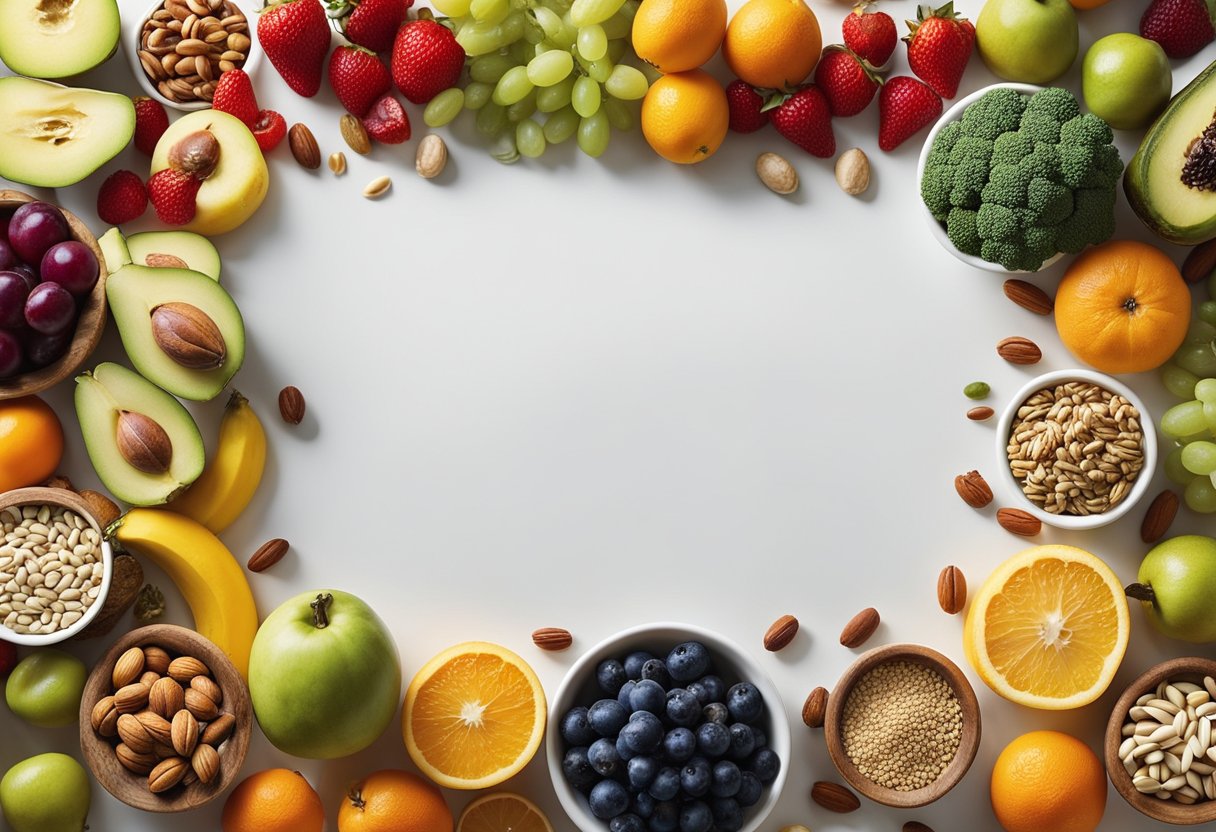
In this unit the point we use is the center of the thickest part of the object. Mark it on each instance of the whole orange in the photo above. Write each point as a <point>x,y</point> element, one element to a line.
<point>1123,307</point>
<point>274,800</point>
<point>31,442</point>
<point>773,43</point>
<point>1047,780</point>
<point>685,116</point>
<point>678,35</point>
<point>392,800</point>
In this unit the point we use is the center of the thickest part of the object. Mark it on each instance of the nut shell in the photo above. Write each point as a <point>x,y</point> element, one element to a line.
<point>777,174</point>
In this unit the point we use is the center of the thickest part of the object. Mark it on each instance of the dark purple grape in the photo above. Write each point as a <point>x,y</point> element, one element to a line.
<point>28,273</point>
<point>35,227</point>
<point>8,257</point>
<point>13,292</point>
<point>50,309</point>
<point>42,350</point>
<point>71,265</point>
<point>10,354</point>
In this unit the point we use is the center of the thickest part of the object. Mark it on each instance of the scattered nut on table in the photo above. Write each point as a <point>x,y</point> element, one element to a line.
<point>777,174</point>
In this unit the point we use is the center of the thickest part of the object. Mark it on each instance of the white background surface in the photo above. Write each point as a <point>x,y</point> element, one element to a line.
<point>592,394</point>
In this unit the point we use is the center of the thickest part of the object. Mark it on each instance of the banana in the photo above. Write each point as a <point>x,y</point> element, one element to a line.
<point>207,574</point>
<point>227,485</point>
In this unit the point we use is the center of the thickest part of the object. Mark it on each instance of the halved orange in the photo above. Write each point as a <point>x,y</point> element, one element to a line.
<point>474,716</point>
<point>1048,628</point>
<point>503,812</point>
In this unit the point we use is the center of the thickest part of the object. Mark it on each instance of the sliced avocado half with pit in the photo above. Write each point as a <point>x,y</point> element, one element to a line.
<point>57,38</point>
<point>111,393</point>
<point>160,248</point>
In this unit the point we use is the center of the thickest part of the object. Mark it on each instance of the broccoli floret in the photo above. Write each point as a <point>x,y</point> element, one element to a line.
<point>1010,148</point>
<point>997,111</point>
<point>1040,244</point>
<point>1049,203</point>
<point>944,142</point>
<point>1041,127</point>
<point>1056,103</point>
<point>971,147</point>
<point>1011,255</point>
<point>969,179</point>
<point>1007,185</point>
<point>1092,220</point>
<point>1076,162</point>
<point>935,188</point>
<point>1043,163</point>
<point>960,228</point>
<point>1086,130</point>
<point>998,222</point>
<point>1106,170</point>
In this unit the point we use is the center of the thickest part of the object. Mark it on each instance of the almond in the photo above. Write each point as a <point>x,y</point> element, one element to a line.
<point>1017,521</point>
<point>208,689</point>
<point>552,638</point>
<point>149,678</point>
<point>268,554</point>
<point>780,633</point>
<point>184,733</point>
<point>128,668</point>
<point>432,156</point>
<point>134,761</point>
<point>355,134</point>
<point>131,698</point>
<point>303,145</point>
<point>218,730</point>
<point>132,732</point>
<point>834,797</point>
<point>104,717</point>
<point>1160,515</point>
<point>951,590</point>
<point>337,163</point>
<point>1200,263</point>
<point>189,336</point>
<point>143,443</point>
<point>1028,296</point>
<point>291,405</point>
<point>980,414</point>
<point>185,668</point>
<point>853,172</point>
<point>777,174</point>
<point>860,628</point>
<point>167,774</point>
<point>815,708</point>
<point>158,728</point>
<point>1019,350</point>
<point>105,511</point>
<point>157,659</point>
<point>974,490</point>
<point>206,763</point>
<point>166,697</point>
<point>201,706</point>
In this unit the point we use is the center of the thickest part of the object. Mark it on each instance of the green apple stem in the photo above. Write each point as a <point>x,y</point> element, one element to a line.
<point>320,610</point>
<point>1141,592</point>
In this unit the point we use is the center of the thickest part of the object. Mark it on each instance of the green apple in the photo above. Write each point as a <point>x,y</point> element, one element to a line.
<point>324,675</point>
<point>45,688</point>
<point>1031,41</point>
<point>47,793</point>
<point>1177,582</point>
<point>1126,80</point>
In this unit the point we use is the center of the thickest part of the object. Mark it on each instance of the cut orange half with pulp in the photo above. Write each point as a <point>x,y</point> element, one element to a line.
<point>503,812</point>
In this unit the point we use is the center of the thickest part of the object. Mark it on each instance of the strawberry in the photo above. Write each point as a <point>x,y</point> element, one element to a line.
<point>386,121</point>
<point>847,82</point>
<point>1182,27</point>
<point>905,105</point>
<point>806,119</point>
<point>746,107</point>
<point>8,658</point>
<point>371,24</point>
<point>358,78</point>
<point>151,122</point>
<point>294,34</point>
<point>426,60</point>
<point>173,194</point>
<point>122,198</point>
<point>939,46</point>
<point>234,96</point>
<point>269,130</point>
<point>871,35</point>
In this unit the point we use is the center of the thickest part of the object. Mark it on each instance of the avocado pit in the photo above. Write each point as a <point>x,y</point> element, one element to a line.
<point>143,443</point>
<point>197,154</point>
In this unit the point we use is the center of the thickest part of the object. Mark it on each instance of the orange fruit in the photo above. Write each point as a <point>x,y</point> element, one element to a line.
<point>678,35</point>
<point>1047,780</point>
<point>392,800</point>
<point>503,811</point>
<point>274,800</point>
<point>1123,307</point>
<point>685,116</point>
<point>31,442</point>
<point>474,715</point>
<point>773,43</point>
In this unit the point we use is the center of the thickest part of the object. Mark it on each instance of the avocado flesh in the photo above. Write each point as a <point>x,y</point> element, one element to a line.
<point>100,396</point>
<point>195,250</point>
<point>57,38</point>
<point>52,136</point>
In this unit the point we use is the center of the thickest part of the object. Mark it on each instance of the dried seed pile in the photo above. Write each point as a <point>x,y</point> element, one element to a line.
<point>1168,742</point>
<point>187,44</point>
<point>1077,448</point>
<point>50,568</point>
<point>902,725</point>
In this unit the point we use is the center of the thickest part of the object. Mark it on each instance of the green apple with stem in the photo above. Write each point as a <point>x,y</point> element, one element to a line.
<point>46,793</point>
<point>1030,41</point>
<point>1126,80</point>
<point>1176,585</point>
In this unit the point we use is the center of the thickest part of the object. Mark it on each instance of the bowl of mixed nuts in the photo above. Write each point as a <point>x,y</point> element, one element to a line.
<point>1077,447</point>
<point>55,566</point>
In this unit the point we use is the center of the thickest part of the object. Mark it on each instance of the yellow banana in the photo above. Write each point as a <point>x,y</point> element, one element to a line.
<point>228,483</point>
<point>209,577</point>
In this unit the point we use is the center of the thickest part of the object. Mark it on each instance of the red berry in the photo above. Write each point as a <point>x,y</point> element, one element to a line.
<point>374,23</point>
<point>358,78</point>
<point>846,82</point>
<point>151,122</point>
<point>745,107</point>
<point>294,34</point>
<point>173,195</point>
<point>269,130</point>
<point>905,106</point>
<point>426,60</point>
<point>1182,27</point>
<point>806,119</point>
<point>386,121</point>
<point>871,35</point>
<point>234,96</point>
<point>939,47</point>
<point>122,198</point>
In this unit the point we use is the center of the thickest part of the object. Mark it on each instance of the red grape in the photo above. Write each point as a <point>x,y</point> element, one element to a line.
<point>13,293</point>
<point>27,272</point>
<point>50,308</point>
<point>35,227</point>
<point>8,257</point>
<point>10,354</point>
<point>71,265</point>
<point>42,350</point>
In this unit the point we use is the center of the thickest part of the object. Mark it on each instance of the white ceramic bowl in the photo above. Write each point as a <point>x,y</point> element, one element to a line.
<point>936,228</point>
<point>1070,521</point>
<point>731,662</point>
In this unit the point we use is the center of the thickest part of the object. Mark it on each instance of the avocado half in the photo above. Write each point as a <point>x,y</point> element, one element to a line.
<point>1171,181</point>
<point>196,251</point>
<point>57,38</point>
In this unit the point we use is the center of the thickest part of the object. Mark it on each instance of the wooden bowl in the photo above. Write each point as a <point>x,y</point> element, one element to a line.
<point>89,325</point>
<point>132,788</point>
<point>1186,669</point>
<point>968,744</point>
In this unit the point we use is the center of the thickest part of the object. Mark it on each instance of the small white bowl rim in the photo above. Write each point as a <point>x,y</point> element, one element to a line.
<point>779,737</point>
<point>954,114</point>
<point>1143,480</point>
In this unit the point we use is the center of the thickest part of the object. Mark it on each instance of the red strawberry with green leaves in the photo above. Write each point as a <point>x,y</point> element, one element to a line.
<point>387,122</point>
<point>122,198</point>
<point>1182,27</point>
<point>371,24</point>
<point>747,114</point>
<point>173,194</point>
<point>269,130</point>
<point>234,95</point>
<point>358,78</point>
<point>294,34</point>
<point>805,118</point>
<point>426,60</point>
<point>905,106</point>
<point>939,45</point>
<point>871,35</point>
<point>847,82</point>
<point>151,122</point>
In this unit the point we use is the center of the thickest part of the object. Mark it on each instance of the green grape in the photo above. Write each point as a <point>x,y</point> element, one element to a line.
<point>586,12</point>
<point>626,83</point>
<point>1205,390</point>
<point>489,11</point>
<point>1200,332</point>
<point>618,112</point>
<point>491,119</point>
<point>617,27</point>
<point>593,134</point>
<point>504,148</point>
<point>549,21</point>
<point>551,99</point>
<point>1199,359</point>
<point>512,86</point>
<point>530,138</point>
<point>1183,420</point>
<point>1178,381</point>
<point>452,8</point>
<point>1174,469</point>
<point>585,97</point>
<point>550,68</point>
<point>1200,495</point>
<point>1199,458</point>
<point>1209,417</point>
<point>489,68</point>
<point>543,47</point>
<point>522,52</point>
<point>617,49</point>
<point>561,125</point>
<point>444,107</point>
<point>600,70</point>
<point>592,42</point>
<point>533,34</point>
<point>513,27</point>
<point>1207,312</point>
<point>479,38</point>
<point>522,109</point>
<point>476,94</point>
<point>565,38</point>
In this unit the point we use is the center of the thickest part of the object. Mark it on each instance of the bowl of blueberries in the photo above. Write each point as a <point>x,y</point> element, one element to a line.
<point>667,728</point>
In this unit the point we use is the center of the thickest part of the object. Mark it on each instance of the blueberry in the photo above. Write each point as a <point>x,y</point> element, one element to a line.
<point>760,737</point>
<point>764,764</point>
<point>683,707</point>
<point>610,675</point>
<point>714,687</point>
<point>642,771</point>
<point>575,729</point>
<point>608,799</point>
<point>750,789</point>
<point>656,670</point>
<point>679,745</point>
<point>643,733</point>
<point>726,779</point>
<point>715,712</point>
<point>648,695</point>
<point>688,661</point>
<point>695,777</point>
<point>728,817</point>
<point>634,662</point>
<point>643,804</point>
<point>695,817</point>
<point>607,717</point>
<point>622,695</point>
<point>742,741</point>
<point>623,750</point>
<point>603,757</point>
<point>713,739</point>
<point>744,702</point>
<point>627,822</point>
<point>666,784</point>
<point>665,817</point>
<point>578,770</point>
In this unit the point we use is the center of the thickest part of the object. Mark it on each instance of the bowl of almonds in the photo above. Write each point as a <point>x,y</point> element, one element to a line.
<point>165,720</point>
